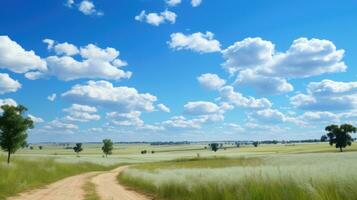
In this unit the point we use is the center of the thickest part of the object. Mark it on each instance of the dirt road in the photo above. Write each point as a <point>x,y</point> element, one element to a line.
<point>70,188</point>
<point>107,187</point>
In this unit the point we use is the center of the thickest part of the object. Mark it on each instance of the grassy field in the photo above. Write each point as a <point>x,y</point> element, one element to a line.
<point>25,174</point>
<point>294,171</point>
<point>304,171</point>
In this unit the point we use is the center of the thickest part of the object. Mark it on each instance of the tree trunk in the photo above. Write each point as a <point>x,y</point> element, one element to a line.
<point>8,157</point>
<point>340,149</point>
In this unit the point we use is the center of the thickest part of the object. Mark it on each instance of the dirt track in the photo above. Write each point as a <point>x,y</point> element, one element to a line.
<point>70,188</point>
<point>107,187</point>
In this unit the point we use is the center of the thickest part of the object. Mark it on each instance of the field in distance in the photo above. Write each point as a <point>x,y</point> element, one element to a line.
<point>193,171</point>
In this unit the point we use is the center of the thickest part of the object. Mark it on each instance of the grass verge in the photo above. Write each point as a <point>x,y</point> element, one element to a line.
<point>25,174</point>
<point>90,193</point>
<point>248,179</point>
<point>201,162</point>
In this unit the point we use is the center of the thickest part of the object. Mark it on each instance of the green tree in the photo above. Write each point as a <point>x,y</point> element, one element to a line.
<point>13,127</point>
<point>78,148</point>
<point>237,144</point>
<point>323,138</point>
<point>107,147</point>
<point>255,144</point>
<point>340,135</point>
<point>214,146</point>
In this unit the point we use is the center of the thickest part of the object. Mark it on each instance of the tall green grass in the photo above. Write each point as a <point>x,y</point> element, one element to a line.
<point>26,174</point>
<point>301,177</point>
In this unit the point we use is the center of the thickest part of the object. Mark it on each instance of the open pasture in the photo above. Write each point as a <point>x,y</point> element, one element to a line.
<point>285,171</point>
<point>302,171</point>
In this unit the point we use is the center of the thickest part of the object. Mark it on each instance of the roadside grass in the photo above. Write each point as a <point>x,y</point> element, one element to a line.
<point>90,192</point>
<point>25,174</point>
<point>201,162</point>
<point>249,188</point>
<point>320,176</point>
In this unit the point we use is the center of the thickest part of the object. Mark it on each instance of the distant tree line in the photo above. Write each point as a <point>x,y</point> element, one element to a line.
<point>170,143</point>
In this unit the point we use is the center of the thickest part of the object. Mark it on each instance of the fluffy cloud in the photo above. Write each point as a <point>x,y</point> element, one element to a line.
<point>95,63</point>
<point>327,95</point>
<point>349,117</point>
<point>206,111</point>
<point>201,108</point>
<point>196,3</point>
<point>163,108</point>
<point>81,113</point>
<point>36,119</point>
<point>88,8</point>
<point>173,2</point>
<point>199,42</point>
<point>180,122</point>
<point>16,59</point>
<point>211,81</point>
<point>66,49</point>
<point>80,108</point>
<point>307,58</point>
<point>156,19</point>
<point>49,43</point>
<point>304,58</point>
<point>150,127</point>
<point>69,3</point>
<point>332,88</point>
<point>262,67</point>
<point>7,84</point>
<point>126,119</point>
<point>263,84</point>
<point>52,97</point>
<point>246,54</point>
<point>60,126</point>
<point>227,94</point>
<point>103,93</point>
<point>270,116</point>
<point>202,112</point>
<point>311,118</point>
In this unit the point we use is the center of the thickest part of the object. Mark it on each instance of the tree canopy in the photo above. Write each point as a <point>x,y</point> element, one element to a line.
<point>340,135</point>
<point>214,146</point>
<point>13,127</point>
<point>78,148</point>
<point>107,147</point>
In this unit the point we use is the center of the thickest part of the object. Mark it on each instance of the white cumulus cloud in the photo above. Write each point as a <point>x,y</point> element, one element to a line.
<point>211,81</point>
<point>327,95</point>
<point>16,59</point>
<point>173,2</point>
<point>199,42</point>
<point>88,8</point>
<point>163,108</point>
<point>126,119</point>
<point>103,93</point>
<point>156,19</point>
<point>263,84</point>
<point>196,3</point>
<point>260,66</point>
<point>81,113</point>
<point>36,119</point>
<point>227,94</point>
<point>52,97</point>
<point>95,63</point>
<point>7,84</point>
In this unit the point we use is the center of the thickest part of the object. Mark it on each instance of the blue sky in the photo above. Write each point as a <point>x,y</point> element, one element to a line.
<point>149,70</point>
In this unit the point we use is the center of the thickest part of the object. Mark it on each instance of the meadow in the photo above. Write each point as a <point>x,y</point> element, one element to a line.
<point>302,171</point>
<point>191,171</point>
<point>25,174</point>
